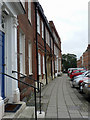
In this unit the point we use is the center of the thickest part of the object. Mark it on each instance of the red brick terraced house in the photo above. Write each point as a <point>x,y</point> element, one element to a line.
<point>32,48</point>
<point>27,48</point>
<point>38,48</point>
<point>85,59</point>
<point>45,41</point>
<point>57,50</point>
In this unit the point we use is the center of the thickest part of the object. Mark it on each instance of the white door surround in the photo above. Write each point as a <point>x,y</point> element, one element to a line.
<point>11,10</point>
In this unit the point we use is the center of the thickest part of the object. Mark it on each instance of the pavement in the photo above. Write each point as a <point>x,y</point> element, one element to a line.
<point>60,100</point>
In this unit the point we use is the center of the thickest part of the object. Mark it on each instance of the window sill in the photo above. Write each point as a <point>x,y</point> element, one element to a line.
<point>29,22</point>
<point>23,76</point>
<point>40,75</point>
<point>42,38</point>
<point>30,74</point>
<point>38,33</point>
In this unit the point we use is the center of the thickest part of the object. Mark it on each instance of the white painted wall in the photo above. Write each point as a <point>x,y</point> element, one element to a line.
<point>11,86</point>
<point>11,57</point>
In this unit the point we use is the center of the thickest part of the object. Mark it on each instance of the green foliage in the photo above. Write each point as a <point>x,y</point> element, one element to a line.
<point>69,61</point>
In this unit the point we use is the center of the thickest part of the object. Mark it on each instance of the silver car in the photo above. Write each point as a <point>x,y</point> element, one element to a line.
<point>79,79</point>
<point>85,87</point>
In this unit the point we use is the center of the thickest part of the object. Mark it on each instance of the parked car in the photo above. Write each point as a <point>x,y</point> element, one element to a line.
<point>82,75</point>
<point>70,70</point>
<point>85,86</point>
<point>77,81</point>
<point>76,73</point>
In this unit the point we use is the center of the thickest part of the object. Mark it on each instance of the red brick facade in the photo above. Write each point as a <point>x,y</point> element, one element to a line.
<point>28,30</point>
<point>85,59</point>
<point>42,48</point>
<point>57,51</point>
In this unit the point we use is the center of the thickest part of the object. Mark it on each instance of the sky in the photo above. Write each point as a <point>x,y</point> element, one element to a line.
<point>71,20</point>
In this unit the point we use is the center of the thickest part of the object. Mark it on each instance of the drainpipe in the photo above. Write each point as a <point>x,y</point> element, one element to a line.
<point>36,45</point>
<point>54,59</point>
<point>51,56</point>
<point>45,53</point>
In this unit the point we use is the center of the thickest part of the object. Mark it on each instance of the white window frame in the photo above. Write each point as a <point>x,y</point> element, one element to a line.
<point>30,57</point>
<point>39,63</point>
<point>42,30</point>
<point>43,65</point>
<point>22,52</point>
<point>46,36</point>
<point>29,10</point>
<point>48,39</point>
<point>38,23</point>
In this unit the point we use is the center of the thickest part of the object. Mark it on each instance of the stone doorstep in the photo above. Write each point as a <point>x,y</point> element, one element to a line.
<point>6,101</point>
<point>16,114</point>
<point>28,112</point>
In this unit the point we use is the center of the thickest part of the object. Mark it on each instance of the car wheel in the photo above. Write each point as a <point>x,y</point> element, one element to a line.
<point>72,84</point>
<point>80,88</point>
<point>72,78</point>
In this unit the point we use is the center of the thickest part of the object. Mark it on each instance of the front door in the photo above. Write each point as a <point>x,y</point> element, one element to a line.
<point>2,35</point>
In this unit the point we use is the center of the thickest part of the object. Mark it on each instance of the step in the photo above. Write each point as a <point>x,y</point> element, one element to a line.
<point>6,101</point>
<point>28,112</point>
<point>16,114</point>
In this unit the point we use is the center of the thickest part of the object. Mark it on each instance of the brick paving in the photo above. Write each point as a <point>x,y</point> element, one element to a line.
<point>61,101</point>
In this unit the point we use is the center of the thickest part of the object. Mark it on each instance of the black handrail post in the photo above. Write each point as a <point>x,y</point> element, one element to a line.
<point>39,90</point>
<point>45,54</point>
<point>40,98</point>
<point>36,9</point>
<point>35,104</point>
<point>27,85</point>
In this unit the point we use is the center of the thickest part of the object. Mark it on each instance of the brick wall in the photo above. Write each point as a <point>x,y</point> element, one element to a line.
<point>28,30</point>
<point>58,46</point>
<point>84,61</point>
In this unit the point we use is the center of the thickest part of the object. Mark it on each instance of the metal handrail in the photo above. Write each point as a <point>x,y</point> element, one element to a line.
<point>34,81</point>
<point>27,85</point>
<point>27,77</point>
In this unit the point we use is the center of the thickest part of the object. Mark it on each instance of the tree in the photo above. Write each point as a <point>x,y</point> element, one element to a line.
<point>69,61</point>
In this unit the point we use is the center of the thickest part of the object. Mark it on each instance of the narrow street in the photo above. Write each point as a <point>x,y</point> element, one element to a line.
<point>62,101</point>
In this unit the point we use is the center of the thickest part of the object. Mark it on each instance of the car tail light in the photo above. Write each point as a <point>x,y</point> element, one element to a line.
<point>81,81</point>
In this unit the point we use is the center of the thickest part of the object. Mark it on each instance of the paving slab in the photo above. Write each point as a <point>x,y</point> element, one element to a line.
<point>63,101</point>
<point>63,115</point>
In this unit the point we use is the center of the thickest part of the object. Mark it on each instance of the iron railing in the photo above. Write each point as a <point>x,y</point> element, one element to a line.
<point>37,83</point>
<point>35,88</point>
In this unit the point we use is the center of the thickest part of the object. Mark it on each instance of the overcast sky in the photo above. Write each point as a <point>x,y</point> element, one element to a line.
<point>71,20</point>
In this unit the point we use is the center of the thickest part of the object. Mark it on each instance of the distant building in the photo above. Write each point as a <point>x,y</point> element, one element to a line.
<point>84,60</point>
